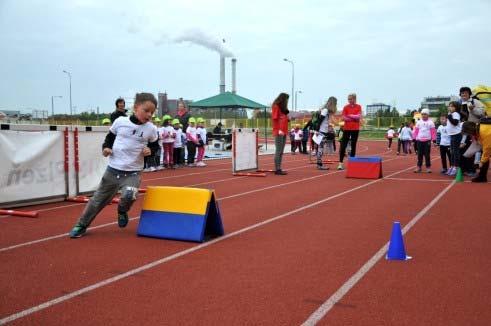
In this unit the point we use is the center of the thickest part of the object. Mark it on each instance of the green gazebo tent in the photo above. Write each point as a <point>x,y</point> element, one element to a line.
<point>229,100</point>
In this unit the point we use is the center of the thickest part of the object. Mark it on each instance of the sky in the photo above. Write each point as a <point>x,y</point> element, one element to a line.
<point>391,51</point>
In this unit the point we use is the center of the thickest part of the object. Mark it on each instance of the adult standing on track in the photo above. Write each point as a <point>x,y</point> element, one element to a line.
<point>351,116</point>
<point>322,127</point>
<point>279,117</point>
<point>120,110</point>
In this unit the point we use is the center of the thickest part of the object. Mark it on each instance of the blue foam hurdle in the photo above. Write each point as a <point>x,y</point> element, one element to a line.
<point>187,214</point>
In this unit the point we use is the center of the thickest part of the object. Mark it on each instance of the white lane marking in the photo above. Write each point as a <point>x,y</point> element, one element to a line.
<point>423,180</point>
<point>145,267</point>
<point>355,278</point>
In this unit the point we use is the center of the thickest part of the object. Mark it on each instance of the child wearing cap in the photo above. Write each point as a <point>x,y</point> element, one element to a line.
<point>168,138</point>
<point>424,134</point>
<point>297,134</point>
<point>191,141</point>
<point>201,133</point>
<point>178,143</point>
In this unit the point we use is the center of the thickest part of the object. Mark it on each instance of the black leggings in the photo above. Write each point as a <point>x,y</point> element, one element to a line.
<point>444,153</point>
<point>424,148</point>
<point>348,135</point>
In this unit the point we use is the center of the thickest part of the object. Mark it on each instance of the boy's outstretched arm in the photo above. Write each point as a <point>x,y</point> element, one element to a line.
<point>154,146</point>
<point>108,144</point>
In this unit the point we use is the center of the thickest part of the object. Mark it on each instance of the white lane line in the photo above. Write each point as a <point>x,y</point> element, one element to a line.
<point>423,180</point>
<point>351,282</point>
<point>218,199</point>
<point>145,267</point>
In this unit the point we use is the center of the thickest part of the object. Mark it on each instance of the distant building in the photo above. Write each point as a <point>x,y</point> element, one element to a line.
<point>168,106</point>
<point>434,103</point>
<point>372,109</point>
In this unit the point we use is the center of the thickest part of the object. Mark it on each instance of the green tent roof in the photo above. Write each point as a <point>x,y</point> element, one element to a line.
<point>226,100</point>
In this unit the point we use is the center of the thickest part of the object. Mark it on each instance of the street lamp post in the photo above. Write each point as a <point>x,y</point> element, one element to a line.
<point>70,80</point>
<point>296,98</point>
<point>53,103</point>
<point>293,81</point>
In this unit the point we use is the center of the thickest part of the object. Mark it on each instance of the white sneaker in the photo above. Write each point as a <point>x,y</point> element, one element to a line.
<point>152,169</point>
<point>200,164</point>
<point>340,166</point>
<point>146,170</point>
<point>158,168</point>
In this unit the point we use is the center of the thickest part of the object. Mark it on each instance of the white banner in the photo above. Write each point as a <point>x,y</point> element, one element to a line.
<point>31,165</point>
<point>92,163</point>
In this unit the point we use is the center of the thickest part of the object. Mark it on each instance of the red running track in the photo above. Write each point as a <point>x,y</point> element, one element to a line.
<point>281,259</point>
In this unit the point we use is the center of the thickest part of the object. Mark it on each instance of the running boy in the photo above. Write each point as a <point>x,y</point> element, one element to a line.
<point>128,141</point>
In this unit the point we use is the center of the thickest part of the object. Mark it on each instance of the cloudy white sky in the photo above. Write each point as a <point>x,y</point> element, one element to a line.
<point>392,51</point>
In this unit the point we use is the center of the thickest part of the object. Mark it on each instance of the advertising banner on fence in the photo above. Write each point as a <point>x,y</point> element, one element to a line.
<point>31,165</point>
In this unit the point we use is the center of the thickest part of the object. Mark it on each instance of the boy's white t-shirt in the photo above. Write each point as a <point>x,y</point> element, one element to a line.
<point>406,134</point>
<point>444,136</point>
<point>167,133</point>
<point>130,141</point>
<point>325,123</point>
<point>390,133</point>
<point>178,140</point>
<point>298,134</point>
<point>454,130</point>
<point>202,132</point>
<point>191,131</point>
<point>424,129</point>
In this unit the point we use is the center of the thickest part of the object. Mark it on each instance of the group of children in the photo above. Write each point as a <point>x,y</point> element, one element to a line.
<point>463,137</point>
<point>173,142</point>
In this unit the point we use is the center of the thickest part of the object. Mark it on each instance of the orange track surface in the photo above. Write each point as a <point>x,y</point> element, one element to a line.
<point>277,273</point>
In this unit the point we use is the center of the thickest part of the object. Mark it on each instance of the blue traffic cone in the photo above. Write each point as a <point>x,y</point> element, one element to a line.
<point>396,246</point>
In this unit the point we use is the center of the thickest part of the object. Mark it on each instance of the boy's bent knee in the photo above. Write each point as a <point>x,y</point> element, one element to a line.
<point>128,196</point>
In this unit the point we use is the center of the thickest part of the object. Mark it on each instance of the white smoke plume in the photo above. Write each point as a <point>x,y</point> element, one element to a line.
<point>199,37</point>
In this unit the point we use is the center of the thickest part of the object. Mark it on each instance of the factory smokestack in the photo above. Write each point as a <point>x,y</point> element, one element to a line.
<point>234,76</point>
<point>222,74</point>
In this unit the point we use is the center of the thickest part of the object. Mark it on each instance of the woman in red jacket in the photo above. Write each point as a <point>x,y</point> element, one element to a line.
<point>351,116</point>
<point>279,115</point>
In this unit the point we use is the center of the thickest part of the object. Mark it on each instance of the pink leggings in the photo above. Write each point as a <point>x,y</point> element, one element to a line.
<point>201,154</point>
<point>168,153</point>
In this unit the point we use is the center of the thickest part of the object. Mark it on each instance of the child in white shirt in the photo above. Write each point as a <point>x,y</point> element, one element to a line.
<point>201,132</point>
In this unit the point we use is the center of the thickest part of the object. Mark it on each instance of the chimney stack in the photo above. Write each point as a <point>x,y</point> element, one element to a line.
<point>234,85</point>
<point>222,74</point>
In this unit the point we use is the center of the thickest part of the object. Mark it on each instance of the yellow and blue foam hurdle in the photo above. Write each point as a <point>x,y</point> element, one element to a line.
<point>178,213</point>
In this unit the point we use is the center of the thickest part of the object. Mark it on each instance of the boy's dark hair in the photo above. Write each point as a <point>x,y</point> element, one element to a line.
<point>119,100</point>
<point>144,97</point>
<point>282,102</point>
<point>465,89</point>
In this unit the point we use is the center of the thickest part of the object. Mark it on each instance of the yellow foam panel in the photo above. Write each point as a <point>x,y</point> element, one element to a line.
<point>177,199</point>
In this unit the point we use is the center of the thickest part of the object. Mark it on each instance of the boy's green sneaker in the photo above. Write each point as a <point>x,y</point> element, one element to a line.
<point>78,231</point>
<point>340,166</point>
<point>122,219</point>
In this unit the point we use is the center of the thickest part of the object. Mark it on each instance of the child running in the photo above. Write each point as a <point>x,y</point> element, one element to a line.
<point>128,141</point>
<point>201,133</point>
<point>424,133</point>
<point>390,136</point>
